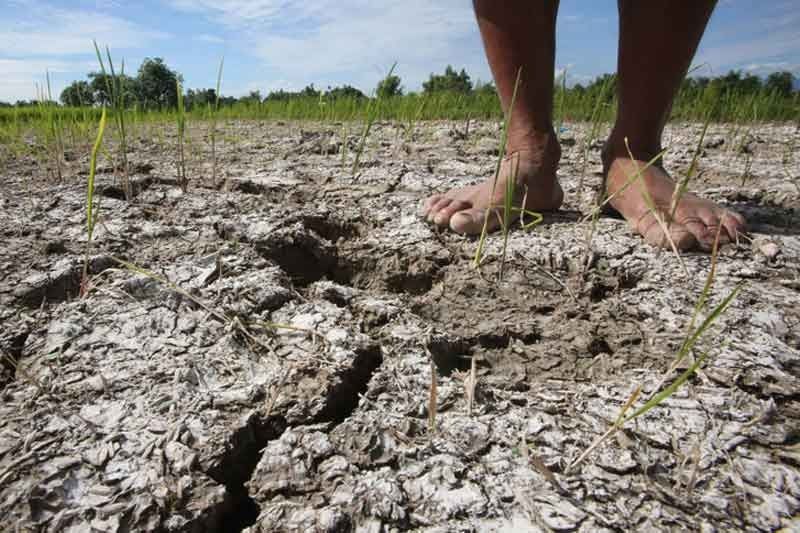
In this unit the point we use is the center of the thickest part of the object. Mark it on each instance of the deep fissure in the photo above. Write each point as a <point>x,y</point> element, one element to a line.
<point>239,510</point>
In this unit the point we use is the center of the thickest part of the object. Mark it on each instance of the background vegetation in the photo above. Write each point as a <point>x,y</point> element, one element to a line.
<point>155,96</point>
<point>733,97</point>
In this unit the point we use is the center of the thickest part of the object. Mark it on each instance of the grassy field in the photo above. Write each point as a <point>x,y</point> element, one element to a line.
<point>47,131</point>
<point>570,105</point>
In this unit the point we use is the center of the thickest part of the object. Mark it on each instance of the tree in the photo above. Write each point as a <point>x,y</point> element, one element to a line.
<point>345,91</point>
<point>200,98</point>
<point>280,95</point>
<point>253,97</point>
<point>449,81</point>
<point>309,92</point>
<point>605,84</point>
<point>485,89</point>
<point>781,83</point>
<point>99,83</point>
<point>751,84</point>
<point>389,86</point>
<point>734,82</point>
<point>157,84</point>
<point>77,94</point>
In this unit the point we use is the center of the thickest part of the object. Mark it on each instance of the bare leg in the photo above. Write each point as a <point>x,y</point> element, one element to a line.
<point>658,39</point>
<point>513,40</point>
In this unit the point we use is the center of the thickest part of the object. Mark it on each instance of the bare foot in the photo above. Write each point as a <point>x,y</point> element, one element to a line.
<point>464,209</point>
<point>696,221</point>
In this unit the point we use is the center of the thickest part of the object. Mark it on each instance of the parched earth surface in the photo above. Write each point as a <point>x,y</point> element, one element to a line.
<point>289,347</point>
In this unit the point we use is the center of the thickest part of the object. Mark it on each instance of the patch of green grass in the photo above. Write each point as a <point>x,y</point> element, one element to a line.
<point>180,122</point>
<point>116,94</point>
<point>54,138</point>
<point>372,112</point>
<point>91,211</point>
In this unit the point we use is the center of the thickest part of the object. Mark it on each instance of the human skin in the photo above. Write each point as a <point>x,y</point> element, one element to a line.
<point>658,39</point>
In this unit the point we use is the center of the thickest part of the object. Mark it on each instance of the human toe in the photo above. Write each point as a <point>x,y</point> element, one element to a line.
<point>429,202</point>
<point>734,224</point>
<point>443,215</point>
<point>707,229</point>
<point>436,206</point>
<point>471,221</point>
<point>679,234</point>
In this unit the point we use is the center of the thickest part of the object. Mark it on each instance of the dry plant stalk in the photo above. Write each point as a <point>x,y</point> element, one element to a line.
<point>470,382</point>
<point>432,401</point>
<point>233,322</point>
<point>470,385</point>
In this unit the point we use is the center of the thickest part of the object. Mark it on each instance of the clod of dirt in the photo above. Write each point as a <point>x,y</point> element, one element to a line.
<point>61,283</point>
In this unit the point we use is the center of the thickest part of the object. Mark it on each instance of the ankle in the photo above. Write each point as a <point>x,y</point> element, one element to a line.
<point>542,146</point>
<point>622,146</point>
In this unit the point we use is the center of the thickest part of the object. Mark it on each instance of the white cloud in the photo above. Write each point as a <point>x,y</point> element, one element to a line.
<point>324,41</point>
<point>768,36</point>
<point>759,49</point>
<point>46,30</point>
<point>21,77</point>
<point>208,38</point>
<point>763,69</point>
<point>39,37</point>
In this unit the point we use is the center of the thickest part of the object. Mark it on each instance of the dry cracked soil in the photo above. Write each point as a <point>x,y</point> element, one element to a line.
<point>267,365</point>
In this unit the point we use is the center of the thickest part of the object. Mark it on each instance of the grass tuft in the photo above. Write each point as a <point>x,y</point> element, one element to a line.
<point>692,336</point>
<point>213,113</point>
<point>91,212</point>
<point>115,92</point>
<point>180,121</point>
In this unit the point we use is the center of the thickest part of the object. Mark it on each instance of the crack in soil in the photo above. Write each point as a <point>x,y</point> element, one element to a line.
<point>11,349</point>
<point>239,510</point>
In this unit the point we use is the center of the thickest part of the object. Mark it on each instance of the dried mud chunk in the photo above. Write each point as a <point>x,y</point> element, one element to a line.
<point>54,247</point>
<point>407,271</point>
<point>61,283</point>
<point>616,461</point>
<point>367,445</point>
<point>289,465</point>
<point>441,493</point>
<point>333,292</point>
<point>377,495</point>
<point>250,293</point>
<point>290,517</point>
<point>303,255</point>
<point>558,514</point>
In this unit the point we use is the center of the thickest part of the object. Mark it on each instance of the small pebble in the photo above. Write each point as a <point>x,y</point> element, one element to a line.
<point>770,250</point>
<point>96,383</point>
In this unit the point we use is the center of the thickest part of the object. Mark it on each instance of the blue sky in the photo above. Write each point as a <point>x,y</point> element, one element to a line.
<point>271,44</point>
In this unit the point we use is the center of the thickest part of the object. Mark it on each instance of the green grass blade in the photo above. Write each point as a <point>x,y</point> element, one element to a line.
<point>667,392</point>
<point>501,156</point>
<point>90,217</point>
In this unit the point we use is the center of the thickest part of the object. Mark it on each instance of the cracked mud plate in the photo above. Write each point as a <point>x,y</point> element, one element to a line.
<point>273,371</point>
